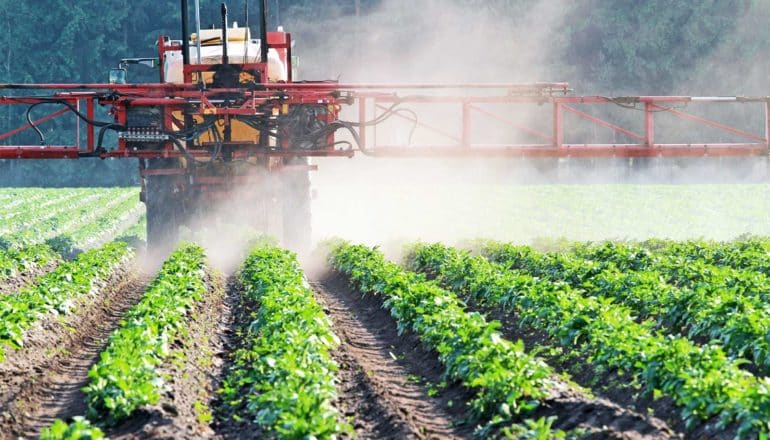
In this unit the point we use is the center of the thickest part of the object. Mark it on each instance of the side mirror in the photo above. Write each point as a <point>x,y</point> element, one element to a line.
<point>118,75</point>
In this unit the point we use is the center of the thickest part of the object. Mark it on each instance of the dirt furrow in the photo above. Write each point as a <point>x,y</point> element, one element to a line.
<point>232,331</point>
<point>574,409</point>
<point>384,376</point>
<point>26,278</point>
<point>192,374</point>
<point>637,414</point>
<point>43,381</point>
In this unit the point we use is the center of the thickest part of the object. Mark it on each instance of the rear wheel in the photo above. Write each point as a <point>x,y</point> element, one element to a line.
<point>295,200</point>
<point>163,202</point>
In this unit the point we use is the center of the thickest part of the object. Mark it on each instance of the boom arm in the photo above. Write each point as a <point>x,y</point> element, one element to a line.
<point>467,111</point>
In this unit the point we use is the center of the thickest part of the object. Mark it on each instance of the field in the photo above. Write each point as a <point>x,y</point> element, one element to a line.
<point>526,213</point>
<point>654,338</point>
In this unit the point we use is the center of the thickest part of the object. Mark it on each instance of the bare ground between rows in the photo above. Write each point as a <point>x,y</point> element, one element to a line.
<point>598,418</point>
<point>241,314</point>
<point>43,381</point>
<point>608,384</point>
<point>386,376</point>
<point>25,278</point>
<point>192,374</point>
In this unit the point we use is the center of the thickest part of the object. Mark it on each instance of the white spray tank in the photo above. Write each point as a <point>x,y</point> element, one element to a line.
<point>241,49</point>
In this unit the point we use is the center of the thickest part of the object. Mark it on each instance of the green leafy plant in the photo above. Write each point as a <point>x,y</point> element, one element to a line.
<point>284,376</point>
<point>126,376</point>
<point>507,381</point>
<point>700,379</point>
<point>76,224</point>
<point>56,291</point>
<point>15,261</point>
<point>79,429</point>
<point>680,293</point>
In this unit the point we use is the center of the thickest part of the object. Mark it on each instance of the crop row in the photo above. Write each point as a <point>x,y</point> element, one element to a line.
<point>35,211</point>
<point>127,376</point>
<point>19,200</point>
<point>15,261</point>
<point>82,222</point>
<point>700,379</point>
<point>681,270</point>
<point>724,309</point>
<point>746,253</point>
<point>136,234</point>
<point>283,376</point>
<point>19,254</point>
<point>506,380</point>
<point>47,211</point>
<point>57,291</point>
<point>106,222</point>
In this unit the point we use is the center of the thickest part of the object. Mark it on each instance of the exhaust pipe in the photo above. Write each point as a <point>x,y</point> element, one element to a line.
<point>198,31</point>
<point>225,57</point>
<point>263,34</point>
<point>185,34</point>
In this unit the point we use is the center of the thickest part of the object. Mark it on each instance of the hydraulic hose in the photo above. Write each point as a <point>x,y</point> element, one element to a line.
<point>101,124</point>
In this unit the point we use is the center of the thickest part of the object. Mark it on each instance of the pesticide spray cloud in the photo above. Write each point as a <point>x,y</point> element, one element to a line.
<point>390,201</point>
<point>381,201</point>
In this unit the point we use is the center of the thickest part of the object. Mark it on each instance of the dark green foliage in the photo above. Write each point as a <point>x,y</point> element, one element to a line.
<point>702,380</point>
<point>507,380</point>
<point>126,376</point>
<point>284,376</point>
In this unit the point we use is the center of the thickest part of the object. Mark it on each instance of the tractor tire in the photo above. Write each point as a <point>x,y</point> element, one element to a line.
<point>163,204</point>
<point>295,197</point>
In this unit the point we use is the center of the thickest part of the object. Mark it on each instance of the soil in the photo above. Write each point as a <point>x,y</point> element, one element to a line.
<point>25,278</point>
<point>609,385</point>
<point>191,372</point>
<point>240,315</point>
<point>43,381</point>
<point>573,408</point>
<point>385,377</point>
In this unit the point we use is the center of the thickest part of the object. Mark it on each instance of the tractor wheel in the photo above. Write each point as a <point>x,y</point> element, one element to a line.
<point>295,185</point>
<point>163,210</point>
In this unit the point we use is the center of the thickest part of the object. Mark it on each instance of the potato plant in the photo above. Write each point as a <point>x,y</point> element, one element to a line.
<point>702,380</point>
<point>57,292</point>
<point>127,376</point>
<point>284,376</point>
<point>506,379</point>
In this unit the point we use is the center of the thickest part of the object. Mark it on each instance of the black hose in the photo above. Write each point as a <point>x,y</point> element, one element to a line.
<point>184,151</point>
<point>74,110</point>
<point>32,124</point>
<point>102,131</point>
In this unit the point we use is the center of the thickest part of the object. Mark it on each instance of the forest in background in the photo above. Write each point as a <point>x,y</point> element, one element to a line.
<point>607,47</point>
